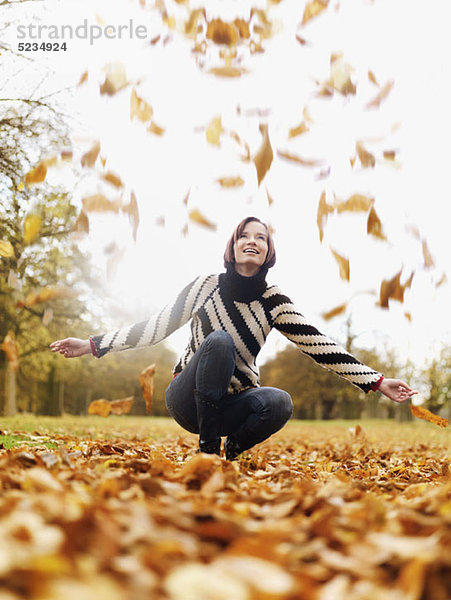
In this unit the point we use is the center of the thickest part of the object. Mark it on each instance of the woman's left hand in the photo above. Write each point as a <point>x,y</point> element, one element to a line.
<point>396,390</point>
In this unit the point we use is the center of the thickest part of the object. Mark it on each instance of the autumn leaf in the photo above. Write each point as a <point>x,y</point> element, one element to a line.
<point>10,348</point>
<point>365,157</point>
<point>243,28</point>
<point>100,203</point>
<point>264,156</point>
<point>100,407</point>
<point>428,260</point>
<point>146,379</point>
<point>322,214</point>
<point>376,101</point>
<point>133,213</point>
<point>443,279</point>
<point>305,162</point>
<point>298,130</point>
<point>195,21</point>
<point>313,9</point>
<point>113,179</point>
<point>81,225</point>
<point>338,310</point>
<point>372,78</point>
<point>31,228</point>
<point>391,288</point>
<point>83,79</point>
<point>89,158</point>
<point>6,249</point>
<point>121,407</point>
<point>197,217</point>
<point>355,203</point>
<point>389,154</point>
<point>115,79</point>
<point>424,413</point>
<point>227,71</point>
<point>374,225</point>
<point>222,33</point>
<point>343,264</point>
<point>214,131</point>
<point>156,129</point>
<point>36,175</point>
<point>139,108</point>
<point>230,181</point>
<point>340,75</point>
<point>270,198</point>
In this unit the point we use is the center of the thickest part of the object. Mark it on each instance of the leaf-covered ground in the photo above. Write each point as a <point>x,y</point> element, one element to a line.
<point>123,509</point>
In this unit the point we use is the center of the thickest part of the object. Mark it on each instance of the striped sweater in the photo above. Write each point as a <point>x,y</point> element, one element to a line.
<point>246,308</point>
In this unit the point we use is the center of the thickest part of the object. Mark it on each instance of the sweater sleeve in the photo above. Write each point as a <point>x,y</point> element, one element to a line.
<point>320,348</point>
<point>158,327</point>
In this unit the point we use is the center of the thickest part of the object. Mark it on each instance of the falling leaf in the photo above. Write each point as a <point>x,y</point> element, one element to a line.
<point>47,316</point>
<point>374,225</point>
<point>372,78</point>
<point>428,260</point>
<point>391,289</point>
<point>299,130</point>
<point>6,249</point>
<point>270,199</point>
<point>389,154</point>
<point>195,22</point>
<point>408,316</point>
<point>121,407</point>
<point>227,71</point>
<point>36,175</point>
<point>343,264</point>
<point>31,228</point>
<point>185,199</point>
<point>243,28</point>
<point>352,160</point>
<point>114,179</point>
<point>375,103</point>
<point>340,76</point>
<point>338,310</point>
<point>100,407</point>
<point>230,181</point>
<point>115,79</point>
<point>301,40</point>
<point>10,348</point>
<point>100,203</point>
<point>365,157</point>
<point>312,9</point>
<point>443,279</point>
<point>214,131</point>
<point>156,129</point>
<point>222,33</point>
<point>424,413</point>
<point>322,214</point>
<point>146,379</point>
<point>355,203</point>
<point>305,162</point>
<point>133,213</point>
<point>264,156</point>
<point>197,217</point>
<point>67,155</point>
<point>83,79</point>
<point>139,108</point>
<point>82,223</point>
<point>89,158</point>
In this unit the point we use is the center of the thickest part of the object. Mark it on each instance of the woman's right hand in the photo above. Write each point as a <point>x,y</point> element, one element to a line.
<point>71,347</point>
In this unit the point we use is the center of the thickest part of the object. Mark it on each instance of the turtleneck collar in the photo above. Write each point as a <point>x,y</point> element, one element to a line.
<point>242,288</point>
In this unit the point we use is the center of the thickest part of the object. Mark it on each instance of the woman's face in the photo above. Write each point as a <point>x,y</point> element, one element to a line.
<point>250,249</point>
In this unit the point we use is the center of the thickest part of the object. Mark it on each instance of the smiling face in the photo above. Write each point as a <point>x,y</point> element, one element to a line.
<point>250,249</point>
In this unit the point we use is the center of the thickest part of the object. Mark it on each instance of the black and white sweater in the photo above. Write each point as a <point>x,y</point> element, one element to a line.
<point>247,308</point>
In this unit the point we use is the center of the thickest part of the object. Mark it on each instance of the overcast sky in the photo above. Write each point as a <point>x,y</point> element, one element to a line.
<point>395,40</point>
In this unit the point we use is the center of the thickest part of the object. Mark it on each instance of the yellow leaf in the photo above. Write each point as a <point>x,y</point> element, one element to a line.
<point>227,71</point>
<point>133,213</point>
<point>391,288</point>
<point>299,130</point>
<point>139,108</point>
<point>343,264</point>
<point>355,203</point>
<point>99,203</point>
<point>156,129</point>
<point>6,249</point>
<point>365,157</point>
<point>195,22</point>
<point>340,76</point>
<point>270,199</point>
<point>443,279</point>
<point>89,158</point>
<point>264,156</point>
<point>214,131</point>
<point>114,179</point>
<point>374,225</point>
<point>376,101</point>
<point>222,33</point>
<point>305,162</point>
<point>408,316</point>
<point>36,175</point>
<point>230,181</point>
<point>322,214</point>
<point>146,379</point>
<point>101,407</point>
<point>122,407</point>
<point>115,79</point>
<point>185,199</point>
<point>428,260</point>
<point>31,227</point>
<point>338,310</point>
<point>372,78</point>
<point>424,413</point>
<point>312,9</point>
<point>20,186</point>
<point>82,223</point>
<point>83,79</point>
<point>243,28</point>
<point>389,154</point>
<point>10,348</point>
<point>196,216</point>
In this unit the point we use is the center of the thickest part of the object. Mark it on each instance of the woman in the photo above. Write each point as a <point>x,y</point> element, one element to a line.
<point>215,391</point>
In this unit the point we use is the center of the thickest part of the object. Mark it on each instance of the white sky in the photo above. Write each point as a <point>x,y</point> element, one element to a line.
<point>396,40</point>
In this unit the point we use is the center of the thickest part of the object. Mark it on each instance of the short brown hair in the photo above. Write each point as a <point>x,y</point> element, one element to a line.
<point>229,255</point>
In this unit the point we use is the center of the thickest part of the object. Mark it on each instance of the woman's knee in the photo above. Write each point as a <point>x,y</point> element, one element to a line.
<point>285,404</point>
<point>220,341</point>
<point>279,403</point>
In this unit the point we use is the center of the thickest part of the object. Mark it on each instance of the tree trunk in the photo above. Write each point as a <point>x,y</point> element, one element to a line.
<point>10,392</point>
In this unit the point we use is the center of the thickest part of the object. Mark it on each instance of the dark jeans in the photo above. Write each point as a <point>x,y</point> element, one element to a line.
<point>250,416</point>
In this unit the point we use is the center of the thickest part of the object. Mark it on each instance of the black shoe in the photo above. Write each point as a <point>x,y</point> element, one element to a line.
<point>213,447</point>
<point>232,448</point>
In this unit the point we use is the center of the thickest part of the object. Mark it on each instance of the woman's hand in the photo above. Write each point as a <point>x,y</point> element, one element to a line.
<point>396,390</point>
<point>71,347</point>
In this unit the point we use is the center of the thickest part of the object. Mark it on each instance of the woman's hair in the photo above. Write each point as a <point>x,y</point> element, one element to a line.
<point>229,255</point>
